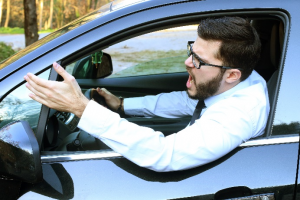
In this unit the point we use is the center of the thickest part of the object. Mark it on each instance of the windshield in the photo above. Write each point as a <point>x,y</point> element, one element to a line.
<point>118,4</point>
<point>76,23</point>
<point>110,7</point>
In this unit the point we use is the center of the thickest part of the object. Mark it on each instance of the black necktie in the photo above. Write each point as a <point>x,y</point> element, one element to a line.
<point>197,111</point>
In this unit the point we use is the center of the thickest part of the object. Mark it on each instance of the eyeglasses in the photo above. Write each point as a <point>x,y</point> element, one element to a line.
<point>197,60</point>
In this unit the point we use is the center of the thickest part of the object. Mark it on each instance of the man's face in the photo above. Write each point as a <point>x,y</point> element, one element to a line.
<point>206,81</point>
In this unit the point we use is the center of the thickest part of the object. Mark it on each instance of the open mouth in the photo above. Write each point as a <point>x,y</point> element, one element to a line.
<point>189,82</point>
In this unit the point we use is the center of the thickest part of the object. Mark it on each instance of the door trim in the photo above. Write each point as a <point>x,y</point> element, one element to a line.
<point>52,157</point>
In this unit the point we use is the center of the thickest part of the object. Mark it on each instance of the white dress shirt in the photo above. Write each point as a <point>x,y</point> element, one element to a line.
<point>229,119</point>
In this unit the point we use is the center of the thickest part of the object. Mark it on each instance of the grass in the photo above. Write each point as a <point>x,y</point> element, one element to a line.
<point>8,30</point>
<point>17,30</point>
<point>284,129</point>
<point>146,55</point>
<point>150,62</point>
<point>159,66</point>
<point>5,51</point>
<point>47,31</point>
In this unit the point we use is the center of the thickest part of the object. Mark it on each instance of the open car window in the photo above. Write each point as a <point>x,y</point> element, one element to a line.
<point>157,52</point>
<point>152,58</point>
<point>19,106</point>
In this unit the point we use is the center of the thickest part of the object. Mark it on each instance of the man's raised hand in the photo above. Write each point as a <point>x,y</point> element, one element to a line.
<point>63,96</point>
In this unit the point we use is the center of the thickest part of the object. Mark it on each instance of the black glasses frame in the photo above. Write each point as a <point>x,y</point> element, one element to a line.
<point>191,52</point>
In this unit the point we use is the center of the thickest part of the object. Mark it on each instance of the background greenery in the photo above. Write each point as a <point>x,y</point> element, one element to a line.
<point>51,15</point>
<point>5,51</point>
<point>157,62</point>
<point>17,30</point>
<point>64,11</point>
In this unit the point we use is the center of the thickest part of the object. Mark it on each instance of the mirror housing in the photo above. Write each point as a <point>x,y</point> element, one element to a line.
<point>19,153</point>
<point>97,65</point>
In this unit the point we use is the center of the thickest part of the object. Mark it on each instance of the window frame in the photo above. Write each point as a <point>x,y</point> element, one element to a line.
<point>162,23</point>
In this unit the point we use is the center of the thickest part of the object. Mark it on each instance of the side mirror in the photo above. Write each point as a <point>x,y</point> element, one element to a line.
<point>57,183</point>
<point>97,65</point>
<point>19,153</point>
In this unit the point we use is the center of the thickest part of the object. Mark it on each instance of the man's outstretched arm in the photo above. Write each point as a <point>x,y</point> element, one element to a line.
<point>63,96</point>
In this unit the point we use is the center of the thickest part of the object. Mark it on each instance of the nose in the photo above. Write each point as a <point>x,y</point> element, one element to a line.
<point>189,62</point>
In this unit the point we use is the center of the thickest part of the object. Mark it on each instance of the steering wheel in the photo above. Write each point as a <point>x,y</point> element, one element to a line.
<point>93,94</point>
<point>69,119</point>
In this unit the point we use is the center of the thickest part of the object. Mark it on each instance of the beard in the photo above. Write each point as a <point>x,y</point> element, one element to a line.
<point>207,89</point>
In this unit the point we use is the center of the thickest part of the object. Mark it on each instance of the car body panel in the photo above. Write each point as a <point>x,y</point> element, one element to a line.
<point>269,168</point>
<point>180,8</point>
<point>120,179</point>
<point>77,28</point>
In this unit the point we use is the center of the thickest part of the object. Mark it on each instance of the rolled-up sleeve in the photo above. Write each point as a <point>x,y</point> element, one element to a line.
<point>220,130</point>
<point>168,105</point>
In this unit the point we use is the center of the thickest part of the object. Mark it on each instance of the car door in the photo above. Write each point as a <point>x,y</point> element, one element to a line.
<point>143,66</point>
<point>262,166</point>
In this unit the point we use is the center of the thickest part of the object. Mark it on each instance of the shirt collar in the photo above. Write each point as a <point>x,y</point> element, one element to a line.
<point>214,99</point>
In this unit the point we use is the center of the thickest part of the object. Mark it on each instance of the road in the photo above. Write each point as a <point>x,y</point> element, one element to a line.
<point>162,41</point>
<point>17,41</point>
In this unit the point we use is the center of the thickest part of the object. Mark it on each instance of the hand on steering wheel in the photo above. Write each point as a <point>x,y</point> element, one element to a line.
<point>113,102</point>
<point>93,94</point>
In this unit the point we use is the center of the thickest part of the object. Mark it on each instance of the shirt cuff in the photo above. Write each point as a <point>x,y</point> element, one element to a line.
<point>134,106</point>
<point>95,118</point>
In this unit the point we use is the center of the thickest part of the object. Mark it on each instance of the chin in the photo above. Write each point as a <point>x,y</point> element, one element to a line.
<point>191,95</point>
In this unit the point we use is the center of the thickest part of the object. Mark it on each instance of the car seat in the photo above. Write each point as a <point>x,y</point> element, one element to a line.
<point>271,37</point>
<point>268,65</point>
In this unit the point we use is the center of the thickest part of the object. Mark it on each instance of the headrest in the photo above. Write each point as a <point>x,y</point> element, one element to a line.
<point>276,42</point>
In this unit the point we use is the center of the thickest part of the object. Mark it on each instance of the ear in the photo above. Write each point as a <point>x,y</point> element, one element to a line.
<point>233,75</point>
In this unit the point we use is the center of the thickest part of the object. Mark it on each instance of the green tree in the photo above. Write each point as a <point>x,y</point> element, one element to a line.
<point>30,22</point>
<point>1,3</point>
<point>41,14</point>
<point>51,14</point>
<point>5,51</point>
<point>7,13</point>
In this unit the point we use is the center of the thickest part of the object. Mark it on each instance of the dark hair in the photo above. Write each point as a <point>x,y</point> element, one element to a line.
<point>240,44</point>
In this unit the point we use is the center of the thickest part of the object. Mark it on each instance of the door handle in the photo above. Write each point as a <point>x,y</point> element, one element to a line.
<point>241,193</point>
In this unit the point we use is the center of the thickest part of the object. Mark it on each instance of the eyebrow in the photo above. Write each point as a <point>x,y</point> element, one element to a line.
<point>199,58</point>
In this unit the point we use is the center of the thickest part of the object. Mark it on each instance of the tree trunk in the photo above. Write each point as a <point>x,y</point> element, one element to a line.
<point>94,5</point>
<point>30,23</point>
<point>7,13</point>
<point>63,11</point>
<point>88,6</point>
<point>51,14</point>
<point>1,3</point>
<point>41,14</point>
<point>61,14</point>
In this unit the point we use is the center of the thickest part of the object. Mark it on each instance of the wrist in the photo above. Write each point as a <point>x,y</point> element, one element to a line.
<point>81,107</point>
<point>120,109</point>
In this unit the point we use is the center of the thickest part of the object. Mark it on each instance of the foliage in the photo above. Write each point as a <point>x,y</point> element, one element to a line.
<point>47,30</point>
<point>8,30</point>
<point>284,129</point>
<point>5,51</point>
<point>157,62</point>
<point>17,30</point>
<point>64,11</point>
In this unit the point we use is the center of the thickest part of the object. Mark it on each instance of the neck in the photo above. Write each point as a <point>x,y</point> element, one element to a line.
<point>226,86</point>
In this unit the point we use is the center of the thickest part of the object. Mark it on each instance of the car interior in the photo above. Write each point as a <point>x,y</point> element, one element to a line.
<point>95,69</point>
<point>70,138</point>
